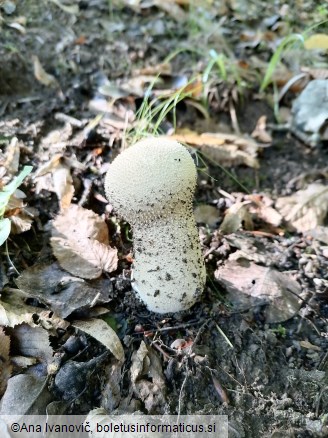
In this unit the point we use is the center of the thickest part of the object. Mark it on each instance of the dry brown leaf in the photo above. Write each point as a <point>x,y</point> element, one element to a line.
<point>41,75</point>
<point>251,285</point>
<point>9,161</point>
<point>316,73</point>
<point>80,243</point>
<point>236,216</point>
<point>207,214</point>
<point>21,217</point>
<point>14,311</point>
<point>5,366</point>
<point>172,9</point>
<point>262,207</point>
<point>69,9</point>
<point>227,149</point>
<point>318,41</point>
<point>305,209</point>
<point>309,346</point>
<point>147,378</point>
<point>63,185</point>
<point>100,330</point>
<point>163,68</point>
<point>55,176</point>
<point>260,133</point>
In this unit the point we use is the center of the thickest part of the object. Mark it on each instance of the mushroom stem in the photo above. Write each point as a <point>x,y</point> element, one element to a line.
<point>168,271</point>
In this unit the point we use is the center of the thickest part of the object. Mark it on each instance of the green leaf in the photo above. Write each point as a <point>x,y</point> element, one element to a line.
<point>5,226</point>
<point>10,188</point>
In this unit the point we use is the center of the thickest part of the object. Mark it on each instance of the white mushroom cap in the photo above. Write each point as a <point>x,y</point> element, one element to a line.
<point>152,185</point>
<point>150,179</point>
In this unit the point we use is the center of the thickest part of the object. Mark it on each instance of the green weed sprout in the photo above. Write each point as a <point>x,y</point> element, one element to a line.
<point>5,194</point>
<point>153,112</point>
<point>285,45</point>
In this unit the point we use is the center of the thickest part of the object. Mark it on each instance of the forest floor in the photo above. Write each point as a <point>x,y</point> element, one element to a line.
<point>79,81</point>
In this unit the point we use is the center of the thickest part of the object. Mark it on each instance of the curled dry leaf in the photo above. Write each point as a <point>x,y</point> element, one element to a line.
<point>21,217</point>
<point>305,209</point>
<point>226,149</point>
<point>260,132</point>
<point>41,75</point>
<point>63,185</point>
<point>80,243</point>
<point>102,332</point>
<point>147,378</point>
<point>249,285</point>
<point>236,216</point>
<point>55,176</point>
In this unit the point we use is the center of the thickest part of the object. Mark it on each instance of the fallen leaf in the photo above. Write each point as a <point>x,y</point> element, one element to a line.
<point>41,75</point>
<point>260,133</point>
<point>21,217</point>
<point>262,207</point>
<point>10,160</point>
<point>309,346</point>
<point>249,285</point>
<point>60,291</point>
<point>18,27</point>
<point>158,69</point>
<point>305,209</point>
<point>69,9</point>
<point>250,249</point>
<point>207,214</point>
<point>80,243</point>
<point>63,185</point>
<point>13,310</point>
<point>73,377</point>
<point>318,41</point>
<point>236,216</point>
<point>25,394</point>
<point>147,378</point>
<point>111,394</point>
<point>33,342</point>
<point>102,332</point>
<point>226,149</point>
<point>320,233</point>
<point>5,365</point>
<point>172,9</point>
<point>316,73</point>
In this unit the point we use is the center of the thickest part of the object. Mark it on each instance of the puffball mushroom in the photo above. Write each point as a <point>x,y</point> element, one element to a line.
<point>151,185</point>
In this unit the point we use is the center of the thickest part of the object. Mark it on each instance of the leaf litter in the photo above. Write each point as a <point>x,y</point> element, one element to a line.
<point>80,243</point>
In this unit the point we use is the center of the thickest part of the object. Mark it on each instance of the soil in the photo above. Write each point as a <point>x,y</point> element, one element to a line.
<point>261,375</point>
